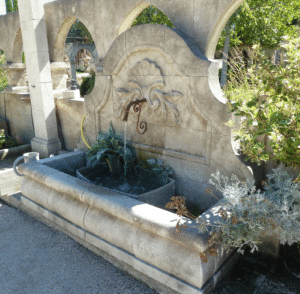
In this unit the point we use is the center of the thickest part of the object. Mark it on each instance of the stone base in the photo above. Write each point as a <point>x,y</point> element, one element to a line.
<point>45,147</point>
<point>139,269</point>
<point>71,94</point>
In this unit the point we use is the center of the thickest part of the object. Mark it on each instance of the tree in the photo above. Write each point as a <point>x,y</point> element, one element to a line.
<point>15,3</point>
<point>263,22</point>
<point>11,5</point>
<point>154,16</point>
<point>266,97</point>
<point>78,30</point>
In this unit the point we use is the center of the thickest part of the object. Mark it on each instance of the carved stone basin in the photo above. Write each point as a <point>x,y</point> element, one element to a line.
<point>135,236</point>
<point>158,197</point>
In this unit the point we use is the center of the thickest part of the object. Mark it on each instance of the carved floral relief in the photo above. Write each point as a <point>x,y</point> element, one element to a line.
<point>146,81</point>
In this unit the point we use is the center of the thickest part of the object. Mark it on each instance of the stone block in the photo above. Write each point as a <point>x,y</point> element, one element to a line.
<point>16,74</point>
<point>36,191</point>
<point>45,147</point>
<point>186,140</point>
<point>112,57</point>
<point>70,113</point>
<point>194,192</point>
<point>59,74</point>
<point>43,110</point>
<point>67,207</point>
<point>19,118</point>
<point>71,94</point>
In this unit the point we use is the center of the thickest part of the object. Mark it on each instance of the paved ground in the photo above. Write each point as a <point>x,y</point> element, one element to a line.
<point>37,259</point>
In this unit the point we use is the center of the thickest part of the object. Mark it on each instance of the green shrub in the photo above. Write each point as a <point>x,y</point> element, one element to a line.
<point>3,75</point>
<point>87,85</point>
<point>248,215</point>
<point>266,97</point>
<point>6,141</point>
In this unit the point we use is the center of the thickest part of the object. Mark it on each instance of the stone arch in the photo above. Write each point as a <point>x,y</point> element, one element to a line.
<point>17,47</point>
<point>215,35</point>
<point>59,47</point>
<point>133,14</point>
<point>74,49</point>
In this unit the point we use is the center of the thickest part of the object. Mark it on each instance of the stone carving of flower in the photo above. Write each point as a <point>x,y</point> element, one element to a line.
<point>145,80</point>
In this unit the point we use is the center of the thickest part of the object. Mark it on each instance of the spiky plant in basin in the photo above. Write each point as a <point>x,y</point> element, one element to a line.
<point>110,148</point>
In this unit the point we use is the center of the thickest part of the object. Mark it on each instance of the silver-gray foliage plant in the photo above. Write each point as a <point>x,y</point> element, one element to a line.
<point>250,214</point>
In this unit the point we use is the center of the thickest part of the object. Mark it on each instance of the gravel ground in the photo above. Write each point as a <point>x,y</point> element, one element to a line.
<point>37,259</point>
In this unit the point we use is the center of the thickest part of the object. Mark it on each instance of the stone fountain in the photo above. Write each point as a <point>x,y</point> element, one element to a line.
<point>177,92</point>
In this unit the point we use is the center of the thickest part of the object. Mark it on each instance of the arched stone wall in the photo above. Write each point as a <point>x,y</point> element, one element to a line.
<point>201,20</point>
<point>59,17</point>
<point>219,26</point>
<point>59,47</point>
<point>74,49</point>
<point>131,16</point>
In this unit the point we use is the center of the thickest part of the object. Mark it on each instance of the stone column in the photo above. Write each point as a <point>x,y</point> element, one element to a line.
<point>73,70</point>
<point>36,50</point>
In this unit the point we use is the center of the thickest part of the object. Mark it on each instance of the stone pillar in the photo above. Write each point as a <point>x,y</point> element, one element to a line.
<point>36,50</point>
<point>73,70</point>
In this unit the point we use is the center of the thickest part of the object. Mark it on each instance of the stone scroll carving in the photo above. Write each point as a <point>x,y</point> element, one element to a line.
<point>146,80</point>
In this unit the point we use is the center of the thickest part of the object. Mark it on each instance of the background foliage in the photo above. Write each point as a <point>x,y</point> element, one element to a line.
<point>78,30</point>
<point>154,16</point>
<point>3,75</point>
<point>267,98</point>
<point>262,22</point>
<point>11,5</point>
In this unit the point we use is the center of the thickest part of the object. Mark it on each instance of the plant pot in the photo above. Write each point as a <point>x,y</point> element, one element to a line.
<point>158,197</point>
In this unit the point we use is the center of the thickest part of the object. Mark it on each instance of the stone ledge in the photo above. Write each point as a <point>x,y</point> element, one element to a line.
<point>13,151</point>
<point>155,278</point>
<point>146,232</point>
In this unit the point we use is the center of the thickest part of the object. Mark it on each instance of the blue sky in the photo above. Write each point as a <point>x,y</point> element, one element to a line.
<point>2,7</point>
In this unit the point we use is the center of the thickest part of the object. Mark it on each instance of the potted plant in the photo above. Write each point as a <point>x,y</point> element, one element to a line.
<point>248,214</point>
<point>112,164</point>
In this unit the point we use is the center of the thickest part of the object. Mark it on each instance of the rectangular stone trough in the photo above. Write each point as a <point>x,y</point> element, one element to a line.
<point>137,237</point>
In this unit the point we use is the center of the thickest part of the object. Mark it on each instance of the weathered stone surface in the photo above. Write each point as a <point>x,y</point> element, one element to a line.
<point>70,112</point>
<point>15,74</point>
<point>185,111</point>
<point>123,222</point>
<point>67,207</point>
<point>19,118</point>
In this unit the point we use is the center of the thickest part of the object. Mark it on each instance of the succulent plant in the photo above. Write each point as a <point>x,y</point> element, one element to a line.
<point>110,148</point>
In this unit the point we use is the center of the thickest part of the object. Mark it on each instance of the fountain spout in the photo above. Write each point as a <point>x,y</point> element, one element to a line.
<point>136,104</point>
<point>141,127</point>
